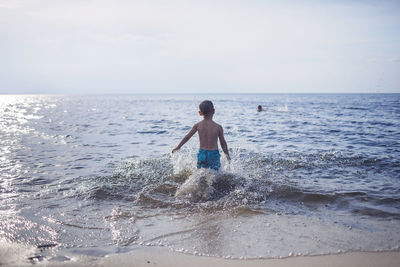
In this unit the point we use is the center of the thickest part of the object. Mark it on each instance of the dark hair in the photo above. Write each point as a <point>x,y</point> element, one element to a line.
<point>206,107</point>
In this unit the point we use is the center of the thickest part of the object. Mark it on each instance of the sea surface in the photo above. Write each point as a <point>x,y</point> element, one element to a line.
<point>312,174</point>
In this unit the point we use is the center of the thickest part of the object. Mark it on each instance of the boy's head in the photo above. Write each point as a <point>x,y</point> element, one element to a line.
<point>206,108</point>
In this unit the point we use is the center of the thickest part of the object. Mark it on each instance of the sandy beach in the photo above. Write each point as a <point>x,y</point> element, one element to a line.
<point>163,257</point>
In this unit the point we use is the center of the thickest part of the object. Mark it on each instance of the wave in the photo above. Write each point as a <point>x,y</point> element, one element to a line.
<point>251,179</point>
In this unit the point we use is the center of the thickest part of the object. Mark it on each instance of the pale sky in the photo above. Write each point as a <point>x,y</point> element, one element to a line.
<point>168,46</point>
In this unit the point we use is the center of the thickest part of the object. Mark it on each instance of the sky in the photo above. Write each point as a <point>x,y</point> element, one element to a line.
<point>217,46</point>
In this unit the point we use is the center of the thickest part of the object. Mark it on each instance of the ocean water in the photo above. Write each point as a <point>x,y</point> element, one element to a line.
<point>312,174</point>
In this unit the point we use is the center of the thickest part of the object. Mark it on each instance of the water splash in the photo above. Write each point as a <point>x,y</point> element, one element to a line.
<point>283,108</point>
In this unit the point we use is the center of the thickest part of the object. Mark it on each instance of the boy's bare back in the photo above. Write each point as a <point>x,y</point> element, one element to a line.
<point>209,132</point>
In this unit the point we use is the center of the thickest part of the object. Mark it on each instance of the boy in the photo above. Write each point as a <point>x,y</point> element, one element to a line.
<point>209,132</point>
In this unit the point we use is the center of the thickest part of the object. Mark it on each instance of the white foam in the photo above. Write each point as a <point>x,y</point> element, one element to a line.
<point>283,109</point>
<point>198,186</point>
<point>183,160</point>
<point>15,254</point>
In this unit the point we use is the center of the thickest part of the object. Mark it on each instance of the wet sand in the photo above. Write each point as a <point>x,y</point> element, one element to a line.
<point>163,257</point>
<point>160,258</point>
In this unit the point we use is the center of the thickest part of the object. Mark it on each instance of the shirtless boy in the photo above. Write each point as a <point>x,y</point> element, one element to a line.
<point>209,132</point>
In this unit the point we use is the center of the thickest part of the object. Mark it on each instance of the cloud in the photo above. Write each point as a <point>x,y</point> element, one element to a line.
<point>10,4</point>
<point>394,59</point>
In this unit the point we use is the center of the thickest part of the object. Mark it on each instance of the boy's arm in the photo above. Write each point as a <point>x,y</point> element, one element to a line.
<point>186,138</point>
<point>222,141</point>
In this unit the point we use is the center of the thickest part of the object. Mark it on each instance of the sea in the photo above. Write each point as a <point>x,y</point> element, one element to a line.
<point>93,175</point>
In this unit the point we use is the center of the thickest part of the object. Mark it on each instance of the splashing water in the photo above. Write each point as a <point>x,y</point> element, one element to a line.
<point>261,193</point>
<point>283,108</point>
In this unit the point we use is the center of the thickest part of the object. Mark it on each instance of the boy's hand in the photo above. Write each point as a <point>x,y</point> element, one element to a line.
<point>175,149</point>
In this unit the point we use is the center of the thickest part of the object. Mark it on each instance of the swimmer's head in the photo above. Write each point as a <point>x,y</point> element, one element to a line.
<point>206,108</point>
<point>259,108</point>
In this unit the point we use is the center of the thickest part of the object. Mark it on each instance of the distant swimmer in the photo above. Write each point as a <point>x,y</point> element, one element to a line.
<point>209,133</point>
<point>259,108</point>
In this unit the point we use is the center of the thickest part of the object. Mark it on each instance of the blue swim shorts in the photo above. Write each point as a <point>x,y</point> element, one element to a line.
<point>208,159</point>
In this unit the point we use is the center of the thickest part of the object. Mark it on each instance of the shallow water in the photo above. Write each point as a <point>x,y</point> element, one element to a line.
<point>313,174</point>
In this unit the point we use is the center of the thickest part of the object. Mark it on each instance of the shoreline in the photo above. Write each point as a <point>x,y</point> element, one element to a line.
<point>167,258</point>
<point>157,256</point>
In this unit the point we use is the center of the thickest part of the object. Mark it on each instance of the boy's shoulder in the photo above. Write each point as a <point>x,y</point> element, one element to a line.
<point>208,123</point>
